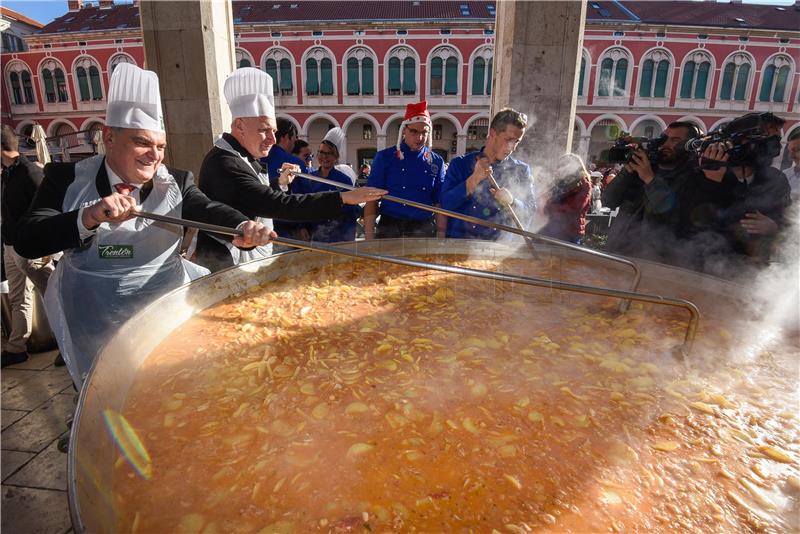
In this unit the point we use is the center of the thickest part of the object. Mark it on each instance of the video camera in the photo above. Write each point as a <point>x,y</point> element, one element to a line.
<point>625,145</point>
<point>744,140</point>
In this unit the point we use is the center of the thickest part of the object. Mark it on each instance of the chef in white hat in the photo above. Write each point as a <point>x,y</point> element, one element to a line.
<point>342,227</point>
<point>231,172</point>
<point>115,263</point>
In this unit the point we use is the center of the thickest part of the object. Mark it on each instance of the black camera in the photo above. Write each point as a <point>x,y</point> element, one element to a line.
<point>625,146</point>
<point>745,141</point>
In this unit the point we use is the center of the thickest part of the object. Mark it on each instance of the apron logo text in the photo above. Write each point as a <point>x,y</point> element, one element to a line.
<point>115,252</point>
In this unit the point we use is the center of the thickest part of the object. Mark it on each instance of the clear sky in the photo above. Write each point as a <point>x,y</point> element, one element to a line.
<point>46,10</point>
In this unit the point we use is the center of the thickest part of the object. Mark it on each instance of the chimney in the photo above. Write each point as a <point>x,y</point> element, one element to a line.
<point>106,4</point>
<point>74,5</point>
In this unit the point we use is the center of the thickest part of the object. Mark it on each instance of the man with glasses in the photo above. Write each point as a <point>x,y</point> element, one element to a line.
<point>468,188</point>
<point>409,170</point>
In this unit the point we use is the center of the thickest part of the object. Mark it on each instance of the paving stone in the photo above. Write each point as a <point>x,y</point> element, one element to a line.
<point>34,511</point>
<point>11,378</point>
<point>39,428</point>
<point>9,417</point>
<point>48,470</point>
<point>13,460</point>
<point>31,393</point>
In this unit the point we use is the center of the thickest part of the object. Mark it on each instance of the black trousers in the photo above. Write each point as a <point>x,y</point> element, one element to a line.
<point>389,227</point>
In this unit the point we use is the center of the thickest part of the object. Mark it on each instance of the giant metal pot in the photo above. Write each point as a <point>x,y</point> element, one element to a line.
<point>91,452</point>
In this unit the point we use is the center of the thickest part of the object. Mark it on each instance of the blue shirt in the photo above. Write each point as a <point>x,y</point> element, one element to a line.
<point>510,173</point>
<point>417,177</point>
<point>330,230</point>
<point>274,161</point>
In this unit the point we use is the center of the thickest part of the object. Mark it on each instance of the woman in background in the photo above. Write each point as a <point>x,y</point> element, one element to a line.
<point>568,200</point>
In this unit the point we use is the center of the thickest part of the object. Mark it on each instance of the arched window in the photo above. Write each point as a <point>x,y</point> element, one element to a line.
<point>94,83</point>
<point>116,60</point>
<point>244,59</point>
<point>774,80</point>
<point>402,77</point>
<point>49,85</point>
<point>319,73</point>
<point>360,72</point>
<point>735,78</point>
<point>451,76</point>
<point>409,76</point>
<point>83,84</point>
<point>489,74</point>
<point>16,89</point>
<point>478,75</point>
<point>271,68</point>
<point>312,77</point>
<point>694,83</point>
<point>88,77</point>
<point>613,73</point>
<point>655,71</point>
<point>353,85</point>
<point>444,71</point>
<point>27,87</point>
<point>581,76</point>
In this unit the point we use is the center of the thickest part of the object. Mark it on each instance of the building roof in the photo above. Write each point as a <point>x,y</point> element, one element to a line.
<point>11,14</point>
<point>678,13</point>
<point>714,14</point>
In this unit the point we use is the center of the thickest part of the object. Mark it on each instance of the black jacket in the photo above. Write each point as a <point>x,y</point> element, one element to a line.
<point>227,178</point>
<point>46,229</point>
<point>20,182</point>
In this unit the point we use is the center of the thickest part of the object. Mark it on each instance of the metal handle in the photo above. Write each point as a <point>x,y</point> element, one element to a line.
<point>637,274</point>
<point>694,313</point>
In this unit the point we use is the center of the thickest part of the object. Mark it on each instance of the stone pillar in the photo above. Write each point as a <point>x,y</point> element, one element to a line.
<point>381,142</point>
<point>536,66</point>
<point>190,46</point>
<point>461,144</point>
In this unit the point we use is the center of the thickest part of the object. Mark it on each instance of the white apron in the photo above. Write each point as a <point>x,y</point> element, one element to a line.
<point>94,290</point>
<point>238,255</point>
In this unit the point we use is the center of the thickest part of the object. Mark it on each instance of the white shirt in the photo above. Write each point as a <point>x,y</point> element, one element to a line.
<point>113,179</point>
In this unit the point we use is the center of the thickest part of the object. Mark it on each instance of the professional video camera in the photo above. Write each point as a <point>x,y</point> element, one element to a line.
<point>625,145</point>
<point>744,140</point>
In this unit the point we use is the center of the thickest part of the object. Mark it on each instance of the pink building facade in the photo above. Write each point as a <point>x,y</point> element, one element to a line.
<point>357,65</point>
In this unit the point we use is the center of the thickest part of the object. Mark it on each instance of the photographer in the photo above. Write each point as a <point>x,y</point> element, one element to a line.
<point>651,197</point>
<point>752,197</point>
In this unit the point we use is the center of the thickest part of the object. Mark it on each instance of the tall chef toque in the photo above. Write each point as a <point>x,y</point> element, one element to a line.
<point>414,113</point>
<point>134,100</point>
<point>249,93</point>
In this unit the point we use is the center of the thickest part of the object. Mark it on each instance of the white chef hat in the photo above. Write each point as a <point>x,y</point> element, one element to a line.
<point>336,136</point>
<point>134,100</point>
<point>249,93</point>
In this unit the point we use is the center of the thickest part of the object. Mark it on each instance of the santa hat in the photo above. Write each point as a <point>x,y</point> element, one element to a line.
<point>134,100</point>
<point>249,93</point>
<point>414,113</point>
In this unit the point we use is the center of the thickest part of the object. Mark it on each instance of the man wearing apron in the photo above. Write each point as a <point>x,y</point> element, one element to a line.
<point>232,174</point>
<point>115,264</point>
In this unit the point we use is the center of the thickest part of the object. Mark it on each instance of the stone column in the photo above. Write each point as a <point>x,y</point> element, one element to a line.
<point>381,142</point>
<point>190,45</point>
<point>461,144</point>
<point>536,66</point>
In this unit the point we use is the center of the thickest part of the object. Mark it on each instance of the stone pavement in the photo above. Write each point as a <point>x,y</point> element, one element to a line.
<point>37,398</point>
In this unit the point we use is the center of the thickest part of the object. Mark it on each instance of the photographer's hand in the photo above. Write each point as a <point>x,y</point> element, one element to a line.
<point>715,152</point>
<point>759,224</point>
<point>640,164</point>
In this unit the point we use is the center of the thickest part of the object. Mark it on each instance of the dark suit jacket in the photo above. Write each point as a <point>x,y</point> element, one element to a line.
<point>227,178</point>
<point>20,182</point>
<point>46,229</point>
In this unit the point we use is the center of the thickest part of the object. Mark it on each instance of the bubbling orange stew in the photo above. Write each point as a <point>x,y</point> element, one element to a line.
<point>362,397</point>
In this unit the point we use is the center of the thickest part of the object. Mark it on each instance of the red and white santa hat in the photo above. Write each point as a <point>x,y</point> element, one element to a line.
<point>414,113</point>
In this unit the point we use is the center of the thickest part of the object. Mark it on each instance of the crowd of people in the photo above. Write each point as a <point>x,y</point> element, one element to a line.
<point>711,212</point>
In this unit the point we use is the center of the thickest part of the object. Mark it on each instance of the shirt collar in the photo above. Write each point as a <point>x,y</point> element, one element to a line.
<point>114,179</point>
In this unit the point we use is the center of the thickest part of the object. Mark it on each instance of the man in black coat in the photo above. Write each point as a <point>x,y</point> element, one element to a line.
<point>231,173</point>
<point>21,178</point>
<point>115,263</point>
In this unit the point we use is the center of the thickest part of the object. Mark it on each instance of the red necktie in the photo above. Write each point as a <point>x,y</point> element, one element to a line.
<point>124,189</point>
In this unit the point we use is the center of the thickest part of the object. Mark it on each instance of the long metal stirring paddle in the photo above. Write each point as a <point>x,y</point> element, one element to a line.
<point>637,275</point>
<point>694,312</point>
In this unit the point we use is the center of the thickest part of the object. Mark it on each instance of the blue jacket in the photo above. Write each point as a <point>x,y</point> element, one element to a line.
<point>417,177</point>
<point>510,173</point>
<point>275,159</point>
<point>342,228</point>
